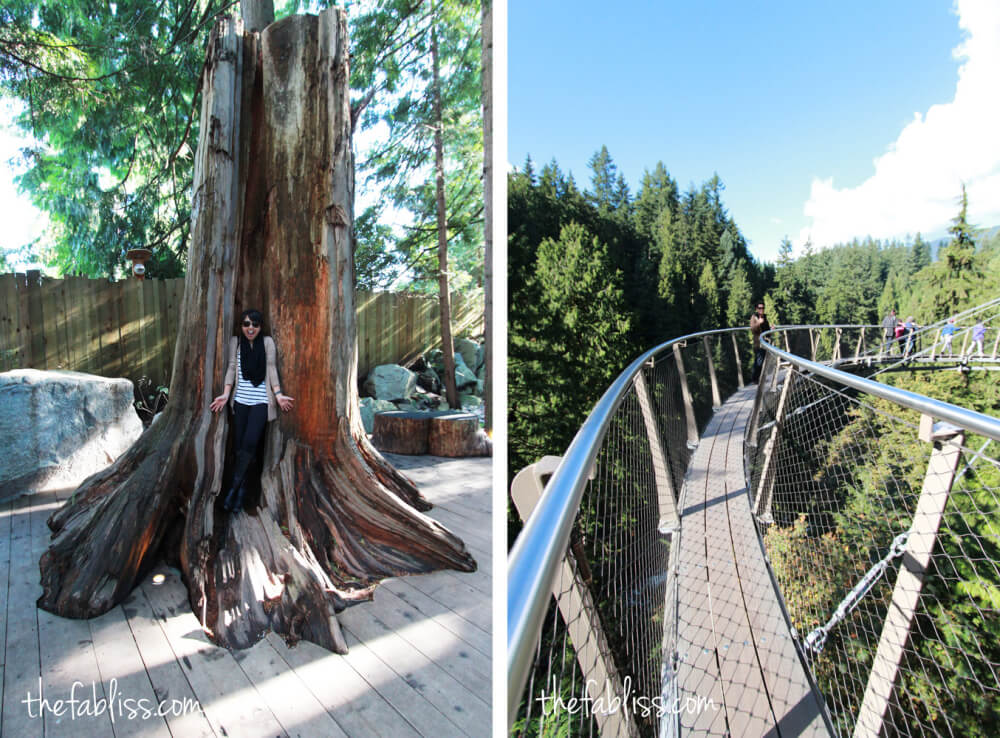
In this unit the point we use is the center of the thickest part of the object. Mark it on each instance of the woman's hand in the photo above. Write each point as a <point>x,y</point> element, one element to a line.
<point>219,402</point>
<point>285,402</point>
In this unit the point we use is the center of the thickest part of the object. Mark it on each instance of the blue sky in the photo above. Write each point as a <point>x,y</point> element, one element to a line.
<point>824,120</point>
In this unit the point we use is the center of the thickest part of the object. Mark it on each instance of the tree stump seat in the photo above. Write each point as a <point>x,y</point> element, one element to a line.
<point>439,433</point>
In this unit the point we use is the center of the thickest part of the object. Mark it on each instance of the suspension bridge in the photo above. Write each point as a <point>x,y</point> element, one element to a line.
<point>816,553</point>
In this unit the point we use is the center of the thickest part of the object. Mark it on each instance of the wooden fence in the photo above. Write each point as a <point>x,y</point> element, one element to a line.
<point>129,329</point>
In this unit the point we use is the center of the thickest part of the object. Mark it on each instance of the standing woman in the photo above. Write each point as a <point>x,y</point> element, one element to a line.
<point>252,368</point>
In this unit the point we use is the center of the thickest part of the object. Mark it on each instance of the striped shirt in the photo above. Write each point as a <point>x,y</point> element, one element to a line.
<point>246,393</point>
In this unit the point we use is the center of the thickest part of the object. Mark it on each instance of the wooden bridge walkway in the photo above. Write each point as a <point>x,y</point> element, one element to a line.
<point>419,661</point>
<point>733,640</point>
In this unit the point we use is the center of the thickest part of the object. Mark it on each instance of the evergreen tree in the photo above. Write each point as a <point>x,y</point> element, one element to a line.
<point>603,180</point>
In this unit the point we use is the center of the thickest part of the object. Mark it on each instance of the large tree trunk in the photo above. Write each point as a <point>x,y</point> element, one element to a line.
<point>272,212</point>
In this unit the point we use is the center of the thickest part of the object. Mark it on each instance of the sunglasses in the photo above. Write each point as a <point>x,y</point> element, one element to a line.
<point>248,323</point>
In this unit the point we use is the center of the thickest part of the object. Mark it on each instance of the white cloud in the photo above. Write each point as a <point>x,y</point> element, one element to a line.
<point>917,182</point>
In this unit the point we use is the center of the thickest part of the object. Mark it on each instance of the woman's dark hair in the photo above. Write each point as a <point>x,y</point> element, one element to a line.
<point>254,315</point>
<point>253,363</point>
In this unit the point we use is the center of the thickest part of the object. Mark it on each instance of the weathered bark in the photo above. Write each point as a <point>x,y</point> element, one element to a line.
<point>272,229</point>
<point>487,74</point>
<point>257,14</point>
<point>444,299</point>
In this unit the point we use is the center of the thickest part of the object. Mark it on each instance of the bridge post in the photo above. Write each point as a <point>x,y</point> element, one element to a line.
<point>716,400</point>
<point>812,345</point>
<point>940,475</point>
<point>937,337</point>
<point>739,367</point>
<point>577,609</point>
<point>669,521</point>
<point>765,485</point>
<point>996,343</point>
<point>836,344</point>
<point>861,342</point>
<point>692,426</point>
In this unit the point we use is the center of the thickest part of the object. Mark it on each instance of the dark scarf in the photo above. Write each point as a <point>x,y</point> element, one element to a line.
<point>252,360</point>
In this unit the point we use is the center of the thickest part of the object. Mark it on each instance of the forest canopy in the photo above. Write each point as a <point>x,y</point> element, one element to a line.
<point>637,270</point>
<point>109,98</point>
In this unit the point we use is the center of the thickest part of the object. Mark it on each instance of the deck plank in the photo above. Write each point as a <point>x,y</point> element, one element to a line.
<point>420,661</point>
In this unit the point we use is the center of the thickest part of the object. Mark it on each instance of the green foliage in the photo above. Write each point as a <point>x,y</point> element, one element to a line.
<point>110,99</point>
<point>392,69</point>
<point>111,95</point>
<point>867,477</point>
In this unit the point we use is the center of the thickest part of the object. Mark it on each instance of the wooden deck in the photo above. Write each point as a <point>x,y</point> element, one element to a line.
<point>419,661</point>
<point>733,640</point>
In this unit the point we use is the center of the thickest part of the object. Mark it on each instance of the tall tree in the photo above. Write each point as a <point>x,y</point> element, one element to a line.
<point>488,190</point>
<point>603,180</point>
<point>274,184</point>
<point>444,297</point>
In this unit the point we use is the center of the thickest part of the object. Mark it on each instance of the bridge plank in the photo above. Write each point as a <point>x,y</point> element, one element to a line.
<point>733,641</point>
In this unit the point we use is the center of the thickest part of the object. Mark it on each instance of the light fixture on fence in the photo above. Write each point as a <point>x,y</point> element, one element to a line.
<point>139,257</point>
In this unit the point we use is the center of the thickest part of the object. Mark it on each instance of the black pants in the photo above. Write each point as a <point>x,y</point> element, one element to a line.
<point>758,363</point>
<point>248,426</point>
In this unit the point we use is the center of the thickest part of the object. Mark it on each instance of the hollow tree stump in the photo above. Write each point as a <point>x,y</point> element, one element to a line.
<point>272,229</point>
<point>401,432</point>
<point>458,434</point>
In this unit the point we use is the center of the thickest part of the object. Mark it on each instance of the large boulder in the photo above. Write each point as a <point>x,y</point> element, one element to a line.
<point>468,349</point>
<point>61,427</point>
<point>390,382</point>
<point>464,376</point>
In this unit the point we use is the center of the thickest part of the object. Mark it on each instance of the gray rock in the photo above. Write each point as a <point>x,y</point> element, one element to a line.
<point>370,406</point>
<point>468,349</point>
<point>464,376</point>
<point>470,401</point>
<point>390,382</point>
<point>61,427</point>
<point>480,365</point>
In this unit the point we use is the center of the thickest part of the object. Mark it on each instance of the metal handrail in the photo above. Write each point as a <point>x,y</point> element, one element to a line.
<point>534,560</point>
<point>984,425</point>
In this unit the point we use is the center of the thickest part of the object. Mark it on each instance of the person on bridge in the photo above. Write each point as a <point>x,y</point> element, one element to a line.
<point>758,324</point>
<point>909,327</point>
<point>978,334</point>
<point>947,334</point>
<point>889,324</point>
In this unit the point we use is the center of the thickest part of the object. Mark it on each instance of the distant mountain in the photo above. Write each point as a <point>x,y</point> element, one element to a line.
<point>982,236</point>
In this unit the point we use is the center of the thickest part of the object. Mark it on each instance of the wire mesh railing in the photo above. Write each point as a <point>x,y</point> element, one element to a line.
<point>587,575</point>
<point>882,530</point>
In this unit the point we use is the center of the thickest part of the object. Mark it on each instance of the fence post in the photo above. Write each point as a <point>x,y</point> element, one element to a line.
<point>836,345</point>
<point>716,400</point>
<point>667,499</point>
<point>739,367</point>
<point>812,345</point>
<point>692,426</point>
<point>937,337</point>
<point>576,606</point>
<point>995,344</point>
<point>765,486</point>
<point>941,469</point>
<point>861,341</point>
